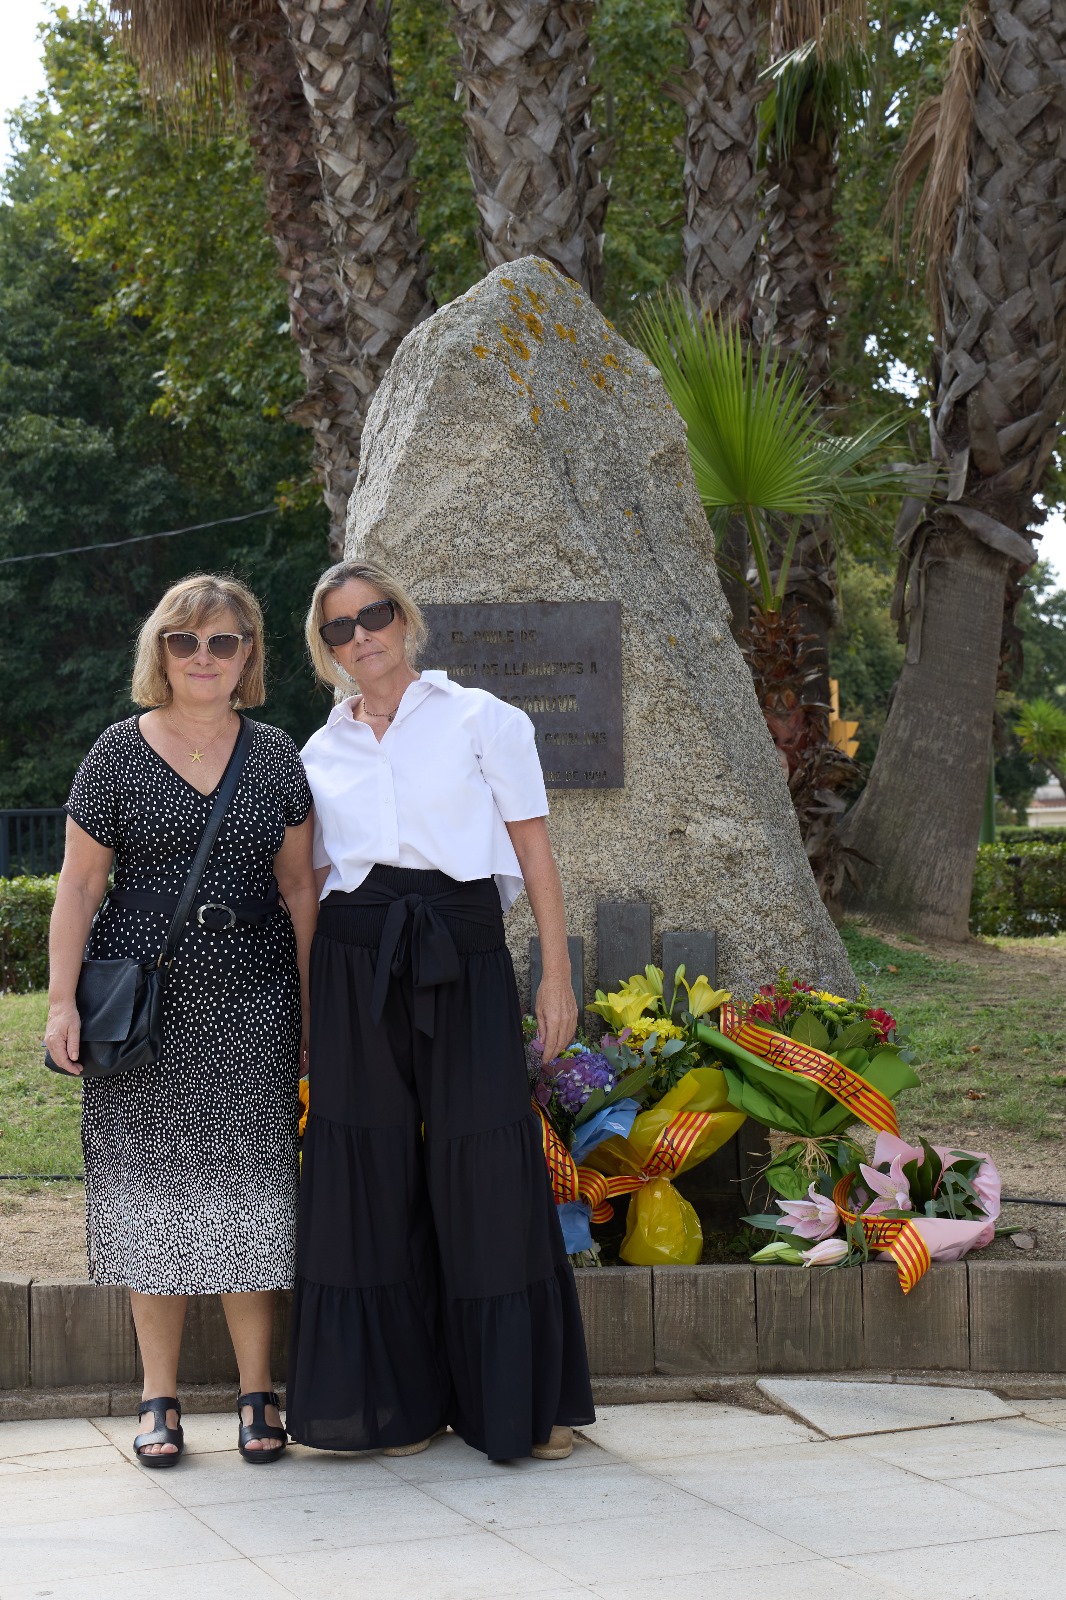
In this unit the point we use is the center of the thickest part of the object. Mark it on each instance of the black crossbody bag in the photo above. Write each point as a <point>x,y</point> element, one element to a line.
<point>120,1002</point>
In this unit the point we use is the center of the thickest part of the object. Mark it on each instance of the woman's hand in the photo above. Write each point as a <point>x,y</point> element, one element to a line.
<point>62,1036</point>
<point>556,1011</point>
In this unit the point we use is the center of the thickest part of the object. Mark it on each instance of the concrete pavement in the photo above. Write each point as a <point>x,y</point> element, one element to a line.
<point>840,1498</point>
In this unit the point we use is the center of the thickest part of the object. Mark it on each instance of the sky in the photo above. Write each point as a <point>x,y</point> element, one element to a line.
<point>21,75</point>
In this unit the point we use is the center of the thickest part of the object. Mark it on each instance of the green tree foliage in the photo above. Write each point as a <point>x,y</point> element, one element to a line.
<point>94,444</point>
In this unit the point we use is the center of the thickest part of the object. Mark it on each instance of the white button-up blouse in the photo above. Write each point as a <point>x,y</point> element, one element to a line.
<point>450,770</point>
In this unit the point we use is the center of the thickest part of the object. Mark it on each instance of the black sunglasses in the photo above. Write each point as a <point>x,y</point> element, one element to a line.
<point>223,646</point>
<point>372,618</point>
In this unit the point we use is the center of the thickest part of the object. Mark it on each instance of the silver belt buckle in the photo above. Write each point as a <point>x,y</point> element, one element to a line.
<point>212,905</point>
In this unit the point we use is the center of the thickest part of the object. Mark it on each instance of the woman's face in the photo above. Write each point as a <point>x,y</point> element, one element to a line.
<point>202,679</point>
<point>370,656</point>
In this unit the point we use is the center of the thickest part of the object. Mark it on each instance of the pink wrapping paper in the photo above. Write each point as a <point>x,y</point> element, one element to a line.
<point>947,1240</point>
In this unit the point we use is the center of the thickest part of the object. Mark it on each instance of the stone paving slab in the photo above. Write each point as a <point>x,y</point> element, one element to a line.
<point>840,1411</point>
<point>690,1499</point>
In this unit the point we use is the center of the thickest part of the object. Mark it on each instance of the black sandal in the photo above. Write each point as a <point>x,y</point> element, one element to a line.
<point>160,1434</point>
<point>259,1427</point>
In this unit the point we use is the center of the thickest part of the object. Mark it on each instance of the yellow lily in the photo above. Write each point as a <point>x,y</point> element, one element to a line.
<point>702,998</point>
<point>619,1009</point>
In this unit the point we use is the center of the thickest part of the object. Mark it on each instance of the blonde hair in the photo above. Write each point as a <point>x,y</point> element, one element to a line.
<point>186,605</point>
<point>322,659</point>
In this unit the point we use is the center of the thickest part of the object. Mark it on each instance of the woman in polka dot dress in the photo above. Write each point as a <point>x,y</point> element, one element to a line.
<point>191,1166</point>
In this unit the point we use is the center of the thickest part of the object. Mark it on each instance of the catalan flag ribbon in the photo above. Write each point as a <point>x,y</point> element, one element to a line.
<point>864,1102</point>
<point>896,1236</point>
<point>571,1182</point>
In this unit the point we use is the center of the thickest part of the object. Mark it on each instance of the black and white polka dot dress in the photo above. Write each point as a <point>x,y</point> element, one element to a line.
<point>191,1167</point>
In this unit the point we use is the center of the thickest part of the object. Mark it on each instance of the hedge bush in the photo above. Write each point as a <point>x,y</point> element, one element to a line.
<point>25,907</point>
<point>1012,835</point>
<point>1019,889</point>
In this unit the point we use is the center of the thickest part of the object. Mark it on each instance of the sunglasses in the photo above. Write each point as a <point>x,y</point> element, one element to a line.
<point>372,618</point>
<point>223,646</point>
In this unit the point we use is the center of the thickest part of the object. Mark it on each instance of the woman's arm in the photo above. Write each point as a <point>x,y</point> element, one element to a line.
<point>555,1005</point>
<point>296,882</point>
<point>81,887</point>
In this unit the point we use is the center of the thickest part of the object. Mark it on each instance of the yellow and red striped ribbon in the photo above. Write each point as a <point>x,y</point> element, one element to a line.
<point>571,1182</point>
<point>865,1102</point>
<point>896,1236</point>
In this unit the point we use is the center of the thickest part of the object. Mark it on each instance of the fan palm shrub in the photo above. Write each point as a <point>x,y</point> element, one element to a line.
<point>760,452</point>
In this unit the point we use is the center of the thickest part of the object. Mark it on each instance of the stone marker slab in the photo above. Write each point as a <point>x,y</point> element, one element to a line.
<point>1017,1316</point>
<point>848,1410</point>
<point>929,1330</point>
<point>576,947</point>
<point>80,1333</point>
<point>704,1318</point>
<point>808,1321</point>
<point>623,941</point>
<point>616,1310</point>
<point>697,952</point>
<point>14,1331</point>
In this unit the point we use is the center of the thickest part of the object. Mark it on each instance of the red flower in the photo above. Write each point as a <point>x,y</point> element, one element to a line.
<point>883,1024</point>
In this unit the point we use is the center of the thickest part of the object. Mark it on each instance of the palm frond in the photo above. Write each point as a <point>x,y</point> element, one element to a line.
<point>827,24</point>
<point>1041,730</point>
<point>183,45</point>
<point>755,439</point>
<point>828,89</point>
<point>940,140</point>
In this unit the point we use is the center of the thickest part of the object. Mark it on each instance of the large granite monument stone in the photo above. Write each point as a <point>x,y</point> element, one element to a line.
<point>519,453</point>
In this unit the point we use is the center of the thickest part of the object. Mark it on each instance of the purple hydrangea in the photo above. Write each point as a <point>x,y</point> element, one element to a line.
<point>577,1076</point>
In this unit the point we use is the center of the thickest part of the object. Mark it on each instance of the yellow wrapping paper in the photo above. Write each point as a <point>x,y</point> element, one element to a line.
<point>690,1122</point>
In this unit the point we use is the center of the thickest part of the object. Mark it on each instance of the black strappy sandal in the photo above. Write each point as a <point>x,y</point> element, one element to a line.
<point>259,1427</point>
<point>160,1434</point>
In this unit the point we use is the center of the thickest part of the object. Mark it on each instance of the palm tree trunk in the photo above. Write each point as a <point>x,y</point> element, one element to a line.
<point>1000,392</point>
<point>720,93</point>
<point>533,155</point>
<point>281,134</point>
<point>341,49</point>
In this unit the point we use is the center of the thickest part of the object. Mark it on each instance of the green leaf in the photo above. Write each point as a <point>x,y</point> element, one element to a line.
<point>807,1029</point>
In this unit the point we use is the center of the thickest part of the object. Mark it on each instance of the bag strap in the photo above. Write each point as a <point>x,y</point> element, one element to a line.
<point>223,795</point>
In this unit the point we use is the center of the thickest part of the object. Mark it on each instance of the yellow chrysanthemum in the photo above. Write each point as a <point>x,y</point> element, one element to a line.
<point>644,1027</point>
<point>833,999</point>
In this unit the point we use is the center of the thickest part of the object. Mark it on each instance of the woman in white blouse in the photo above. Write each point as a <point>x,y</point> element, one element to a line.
<point>433,1287</point>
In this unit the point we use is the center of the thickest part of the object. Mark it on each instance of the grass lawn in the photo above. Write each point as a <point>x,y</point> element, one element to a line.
<point>40,1111</point>
<point>986,1021</point>
<point>987,1024</point>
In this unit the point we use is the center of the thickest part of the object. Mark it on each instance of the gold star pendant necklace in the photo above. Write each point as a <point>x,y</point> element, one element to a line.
<point>196,755</point>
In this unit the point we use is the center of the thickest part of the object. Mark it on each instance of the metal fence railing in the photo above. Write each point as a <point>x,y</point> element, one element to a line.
<point>31,841</point>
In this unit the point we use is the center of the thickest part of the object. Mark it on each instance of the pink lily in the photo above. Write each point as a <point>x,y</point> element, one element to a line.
<point>826,1254</point>
<point>891,1189</point>
<point>814,1218</point>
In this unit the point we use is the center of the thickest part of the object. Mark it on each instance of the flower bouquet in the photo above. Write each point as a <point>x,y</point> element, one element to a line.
<point>600,1144</point>
<point>804,1061</point>
<point>915,1203</point>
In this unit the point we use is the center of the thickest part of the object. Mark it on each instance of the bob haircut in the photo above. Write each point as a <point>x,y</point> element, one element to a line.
<point>186,605</point>
<point>326,668</point>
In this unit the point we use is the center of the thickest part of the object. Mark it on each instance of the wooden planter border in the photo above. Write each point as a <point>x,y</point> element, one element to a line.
<point>988,1317</point>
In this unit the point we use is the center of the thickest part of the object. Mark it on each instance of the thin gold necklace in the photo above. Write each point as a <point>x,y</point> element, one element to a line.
<point>196,754</point>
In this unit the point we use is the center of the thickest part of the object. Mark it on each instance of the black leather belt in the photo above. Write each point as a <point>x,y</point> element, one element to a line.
<point>213,915</point>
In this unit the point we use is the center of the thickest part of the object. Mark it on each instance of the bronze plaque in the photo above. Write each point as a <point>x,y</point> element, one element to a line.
<point>560,661</point>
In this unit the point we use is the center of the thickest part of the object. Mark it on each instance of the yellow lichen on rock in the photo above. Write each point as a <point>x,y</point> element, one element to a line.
<point>566,333</point>
<point>534,415</point>
<point>610,361</point>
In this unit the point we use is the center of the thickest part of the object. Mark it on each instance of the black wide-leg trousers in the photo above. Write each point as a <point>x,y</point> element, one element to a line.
<point>432,1283</point>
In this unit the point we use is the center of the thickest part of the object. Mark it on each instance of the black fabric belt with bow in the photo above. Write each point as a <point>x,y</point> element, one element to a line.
<point>416,936</point>
<point>214,915</point>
